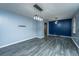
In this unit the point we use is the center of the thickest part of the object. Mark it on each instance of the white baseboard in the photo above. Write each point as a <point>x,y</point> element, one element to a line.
<point>17,42</point>
<point>20,41</point>
<point>40,37</point>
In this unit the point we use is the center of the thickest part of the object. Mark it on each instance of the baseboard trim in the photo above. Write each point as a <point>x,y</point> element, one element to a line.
<point>40,37</point>
<point>16,42</point>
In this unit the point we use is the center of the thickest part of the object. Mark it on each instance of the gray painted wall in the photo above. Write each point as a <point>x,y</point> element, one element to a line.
<point>40,29</point>
<point>11,33</point>
<point>76,35</point>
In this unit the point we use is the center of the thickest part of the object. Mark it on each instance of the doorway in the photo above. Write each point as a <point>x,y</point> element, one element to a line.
<point>45,31</point>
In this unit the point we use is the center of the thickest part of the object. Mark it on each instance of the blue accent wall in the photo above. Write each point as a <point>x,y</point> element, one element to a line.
<point>63,27</point>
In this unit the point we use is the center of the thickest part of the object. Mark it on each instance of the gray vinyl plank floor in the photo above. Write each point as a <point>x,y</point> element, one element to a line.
<point>54,46</point>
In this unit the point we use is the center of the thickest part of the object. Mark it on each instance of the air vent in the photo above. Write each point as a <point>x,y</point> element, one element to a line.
<point>38,7</point>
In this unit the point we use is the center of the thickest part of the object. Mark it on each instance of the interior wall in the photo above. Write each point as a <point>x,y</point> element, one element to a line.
<point>10,31</point>
<point>40,29</point>
<point>75,32</point>
<point>63,27</point>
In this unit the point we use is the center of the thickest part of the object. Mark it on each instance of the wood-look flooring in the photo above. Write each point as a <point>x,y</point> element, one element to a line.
<point>54,46</point>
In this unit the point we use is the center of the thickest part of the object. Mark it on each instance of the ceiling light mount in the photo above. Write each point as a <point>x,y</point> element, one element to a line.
<point>38,7</point>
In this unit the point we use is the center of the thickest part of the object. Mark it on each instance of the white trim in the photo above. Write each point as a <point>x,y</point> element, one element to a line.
<point>74,25</point>
<point>40,37</point>
<point>16,42</point>
<point>75,43</point>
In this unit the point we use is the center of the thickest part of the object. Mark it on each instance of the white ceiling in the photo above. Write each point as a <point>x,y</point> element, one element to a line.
<point>50,10</point>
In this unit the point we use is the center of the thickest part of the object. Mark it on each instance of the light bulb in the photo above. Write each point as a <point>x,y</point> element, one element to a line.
<point>34,17</point>
<point>38,18</point>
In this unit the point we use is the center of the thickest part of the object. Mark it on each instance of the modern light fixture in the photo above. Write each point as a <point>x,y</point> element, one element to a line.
<point>38,18</point>
<point>56,22</point>
<point>37,7</point>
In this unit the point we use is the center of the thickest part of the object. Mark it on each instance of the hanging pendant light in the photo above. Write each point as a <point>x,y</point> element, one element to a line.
<point>38,18</point>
